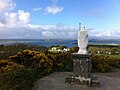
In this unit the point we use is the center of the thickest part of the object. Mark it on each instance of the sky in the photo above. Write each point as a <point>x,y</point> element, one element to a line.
<point>59,19</point>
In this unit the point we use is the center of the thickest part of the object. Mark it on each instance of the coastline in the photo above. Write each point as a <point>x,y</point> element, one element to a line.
<point>53,42</point>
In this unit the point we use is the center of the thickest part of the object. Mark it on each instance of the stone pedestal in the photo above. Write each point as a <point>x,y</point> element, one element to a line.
<point>81,70</point>
<point>82,65</point>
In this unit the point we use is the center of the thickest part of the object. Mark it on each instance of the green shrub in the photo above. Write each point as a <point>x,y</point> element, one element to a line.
<point>105,63</point>
<point>62,60</point>
<point>53,57</point>
<point>100,63</point>
<point>114,62</point>
<point>19,79</point>
<point>33,59</point>
<point>9,50</point>
<point>74,49</point>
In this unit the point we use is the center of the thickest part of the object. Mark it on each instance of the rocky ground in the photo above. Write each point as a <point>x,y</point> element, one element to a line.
<point>56,81</point>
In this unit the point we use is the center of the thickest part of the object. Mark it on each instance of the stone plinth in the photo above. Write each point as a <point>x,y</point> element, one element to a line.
<point>82,70</point>
<point>82,65</point>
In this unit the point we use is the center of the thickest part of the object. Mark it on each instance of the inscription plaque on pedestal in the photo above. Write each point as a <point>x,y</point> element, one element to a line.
<point>82,65</point>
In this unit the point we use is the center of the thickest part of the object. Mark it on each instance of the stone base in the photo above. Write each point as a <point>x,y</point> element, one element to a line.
<point>95,82</point>
<point>91,82</point>
<point>82,71</point>
<point>82,64</point>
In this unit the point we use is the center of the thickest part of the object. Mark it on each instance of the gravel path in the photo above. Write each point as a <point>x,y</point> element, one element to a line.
<point>56,81</point>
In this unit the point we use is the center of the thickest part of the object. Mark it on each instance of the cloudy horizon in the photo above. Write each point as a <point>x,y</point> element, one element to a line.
<point>55,19</point>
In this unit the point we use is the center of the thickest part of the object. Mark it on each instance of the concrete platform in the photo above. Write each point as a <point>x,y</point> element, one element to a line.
<point>56,81</point>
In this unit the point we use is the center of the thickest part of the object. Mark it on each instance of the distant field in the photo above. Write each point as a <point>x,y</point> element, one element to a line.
<point>104,46</point>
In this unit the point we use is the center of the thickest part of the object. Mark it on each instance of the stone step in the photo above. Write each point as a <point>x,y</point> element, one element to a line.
<point>95,82</point>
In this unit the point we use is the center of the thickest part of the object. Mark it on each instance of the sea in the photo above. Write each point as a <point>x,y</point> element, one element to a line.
<point>53,42</point>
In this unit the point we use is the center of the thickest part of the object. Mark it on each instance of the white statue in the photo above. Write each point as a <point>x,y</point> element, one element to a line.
<point>82,40</point>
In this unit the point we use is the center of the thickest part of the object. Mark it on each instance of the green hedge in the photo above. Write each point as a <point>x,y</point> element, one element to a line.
<point>105,63</point>
<point>19,79</point>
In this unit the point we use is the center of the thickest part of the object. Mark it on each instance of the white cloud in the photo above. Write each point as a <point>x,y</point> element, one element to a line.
<point>6,5</point>
<point>58,31</point>
<point>57,27</point>
<point>17,25</point>
<point>10,18</point>
<point>15,20</point>
<point>37,9</point>
<point>36,31</point>
<point>108,34</point>
<point>59,34</point>
<point>1,25</point>
<point>24,17</point>
<point>53,9</point>
<point>50,9</point>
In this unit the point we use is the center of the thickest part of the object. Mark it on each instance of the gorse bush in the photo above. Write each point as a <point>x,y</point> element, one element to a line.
<point>105,63</point>
<point>114,62</point>
<point>23,68</point>
<point>9,50</point>
<point>33,59</point>
<point>38,60</point>
<point>56,65</point>
<point>74,49</point>
<point>7,66</point>
<point>100,63</point>
<point>63,60</point>
<point>19,79</point>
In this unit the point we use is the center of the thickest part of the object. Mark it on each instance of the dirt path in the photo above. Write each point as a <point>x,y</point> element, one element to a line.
<point>56,81</point>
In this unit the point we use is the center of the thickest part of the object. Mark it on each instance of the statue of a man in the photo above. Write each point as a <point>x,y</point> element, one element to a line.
<point>82,40</point>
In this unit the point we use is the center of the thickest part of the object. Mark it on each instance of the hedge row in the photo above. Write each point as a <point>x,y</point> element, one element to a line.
<point>105,63</point>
